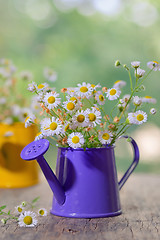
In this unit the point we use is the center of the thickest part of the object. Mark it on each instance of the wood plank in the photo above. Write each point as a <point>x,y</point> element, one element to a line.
<point>140,218</point>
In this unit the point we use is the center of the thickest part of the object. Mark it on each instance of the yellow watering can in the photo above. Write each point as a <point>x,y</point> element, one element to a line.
<point>14,172</point>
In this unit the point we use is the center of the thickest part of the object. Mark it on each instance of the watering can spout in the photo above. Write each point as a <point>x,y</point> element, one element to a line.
<point>35,150</point>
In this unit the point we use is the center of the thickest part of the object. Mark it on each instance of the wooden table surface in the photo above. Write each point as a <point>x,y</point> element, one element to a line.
<point>140,201</point>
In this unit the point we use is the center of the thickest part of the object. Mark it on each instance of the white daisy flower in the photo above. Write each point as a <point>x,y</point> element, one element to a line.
<point>153,111</point>
<point>140,72</point>
<point>126,97</point>
<point>131,118</point>
<point>32,87</point>
<point>27,219</point>
<point>135,64</point>
<point>100,98</point>
<point>71,91</point>
<point>50,74</point>
<point>137,118</point>
<point>50,127</point>
<point>66,126</point>
<point>154,65</point>
<point>24,113</point>
<point>42,87</point>
<point>94,116</point>
<point>95,86</point>
<point>39,136</point>
<point>73,99</point>
<point>84,90</point>
<point>105,137</point>
<point>42,212</point>
<point>40,97</point>
<point>149,99</point>
<point>19,209</point>
<point>75,140</point>
<point>51,100</point>
<point>29,120</point>
<point>137,101</point>
<point>119,84</point>
<point>113,93</point>
<point>141,117</point>
<point>70,106</point>
<point>80,119</point>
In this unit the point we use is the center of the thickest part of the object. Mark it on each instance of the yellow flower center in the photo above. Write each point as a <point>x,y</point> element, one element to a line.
<point>41,212</point>
<point>101,98</point>
<point>80,118</point>
<point>73,99</point>
<point>25,115</point>
<point>105,136</point>
<point>148,97</point>
<point>92,117</point>
<point>93,86</point>
<point>70,106</point>
<point>39,133</point>
<point>66,127</point>
<point>51,99</point>
<point>117,81</point>
<point>40,86</point>
<point>140,117</point>
<point>113,92</point>
<point>53,126</point>
<point>19,209</point>
<point>27,220</point>
<point>26,119</point>
<point>155,62</point>
<point>75,139</point>
<point>84,89</point>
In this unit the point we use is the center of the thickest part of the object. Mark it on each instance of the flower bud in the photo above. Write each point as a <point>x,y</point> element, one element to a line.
<point>117,63</point>
<point>153,111</point>
<point>63,90</point>
<point>3,221</point>
<point>125,66</point>
<point>24,203</point>
<point>104,89</point>
<point>116,119</point>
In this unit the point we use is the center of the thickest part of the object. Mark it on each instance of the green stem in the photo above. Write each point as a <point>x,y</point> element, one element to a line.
<point>130,78</point>
<point>144,79</point>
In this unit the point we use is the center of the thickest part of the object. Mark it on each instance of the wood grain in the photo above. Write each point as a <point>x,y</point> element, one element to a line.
<point>140,201</point>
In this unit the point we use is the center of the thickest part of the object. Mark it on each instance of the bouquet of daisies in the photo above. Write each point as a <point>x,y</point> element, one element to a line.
<point>76,116</point>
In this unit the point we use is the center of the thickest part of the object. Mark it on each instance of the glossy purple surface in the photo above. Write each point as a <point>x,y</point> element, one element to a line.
<point>86,185</point>
<point>35,149</point>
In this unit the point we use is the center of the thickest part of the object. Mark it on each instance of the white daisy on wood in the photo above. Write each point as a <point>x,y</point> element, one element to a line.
<point>27,219</point>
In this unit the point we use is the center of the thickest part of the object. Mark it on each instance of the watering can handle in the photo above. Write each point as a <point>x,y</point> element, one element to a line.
<point>133,164</point>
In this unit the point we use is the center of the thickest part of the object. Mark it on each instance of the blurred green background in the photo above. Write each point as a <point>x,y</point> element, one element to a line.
<point>80,40</point>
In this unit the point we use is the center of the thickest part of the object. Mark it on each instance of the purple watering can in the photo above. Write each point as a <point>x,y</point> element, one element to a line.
<point>85,185</point>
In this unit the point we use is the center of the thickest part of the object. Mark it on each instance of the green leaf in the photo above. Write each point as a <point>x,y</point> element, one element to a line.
<point>2,207</point>
<point>35,200</point>
<point>9,212</point>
